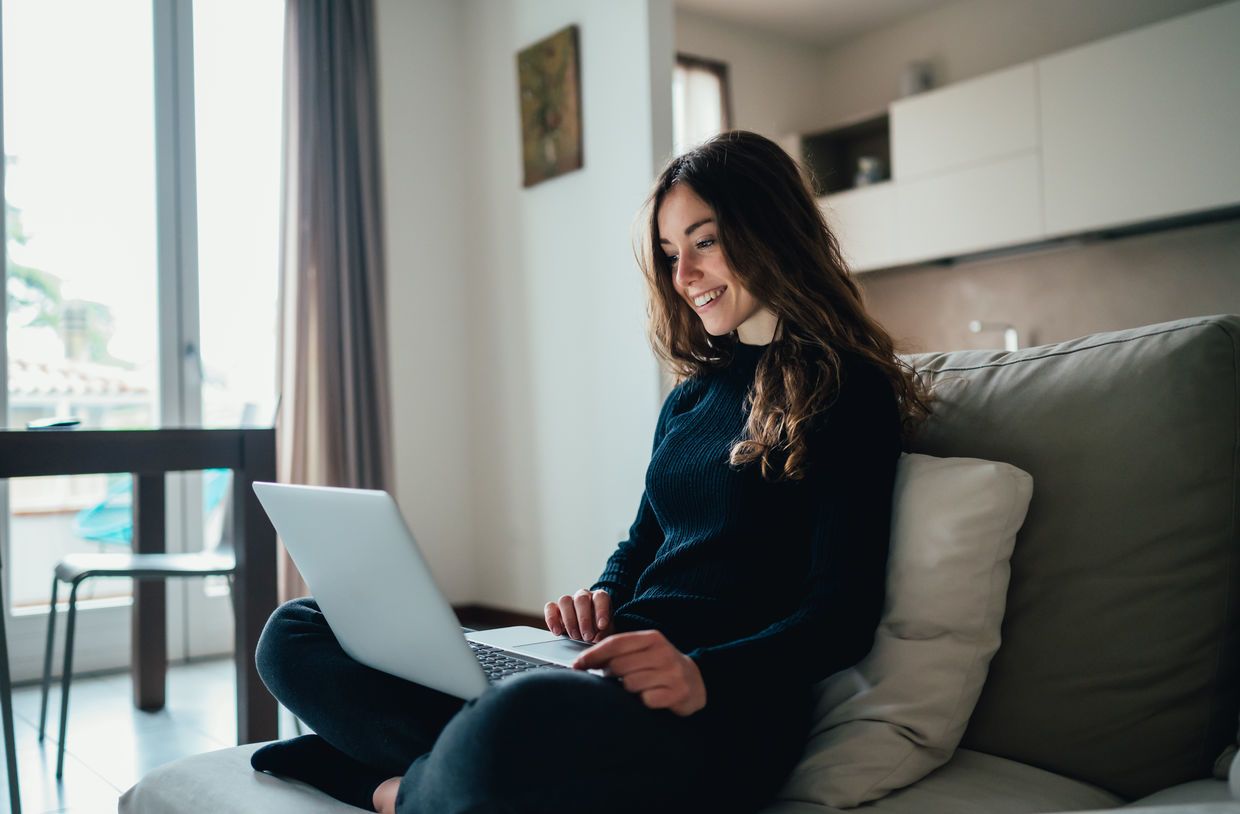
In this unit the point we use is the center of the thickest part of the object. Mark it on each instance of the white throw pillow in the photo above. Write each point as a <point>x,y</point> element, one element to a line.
<point>899,714</point>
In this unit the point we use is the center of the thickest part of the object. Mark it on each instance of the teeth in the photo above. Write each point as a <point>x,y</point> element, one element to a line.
<point>702,299</point>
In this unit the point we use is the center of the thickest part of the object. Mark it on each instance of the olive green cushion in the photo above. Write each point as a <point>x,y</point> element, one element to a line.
<point>1119,659</point>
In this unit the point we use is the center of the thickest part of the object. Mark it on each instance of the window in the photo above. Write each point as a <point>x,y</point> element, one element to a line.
<point>700,106</point>
<point>141,185</point>
<point>81,278</point>
<point>238,99</point>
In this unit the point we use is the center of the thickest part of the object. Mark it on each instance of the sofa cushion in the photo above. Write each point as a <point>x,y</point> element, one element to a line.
<point>898,715</point>
<point>1120,655</point>
<point>1198,791</point>
<point>975,783</point>
<point>222,782</point>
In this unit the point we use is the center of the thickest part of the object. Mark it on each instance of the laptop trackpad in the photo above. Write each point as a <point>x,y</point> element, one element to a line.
<point>557,651</point>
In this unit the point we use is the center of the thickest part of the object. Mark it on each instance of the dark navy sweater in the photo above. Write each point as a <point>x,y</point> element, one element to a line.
<point>768,587</point>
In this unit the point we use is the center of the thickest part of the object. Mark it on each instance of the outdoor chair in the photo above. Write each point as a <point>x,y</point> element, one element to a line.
<point>75,569</point>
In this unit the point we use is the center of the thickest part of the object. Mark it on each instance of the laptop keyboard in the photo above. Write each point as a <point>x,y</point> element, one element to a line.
<point>500,664</point>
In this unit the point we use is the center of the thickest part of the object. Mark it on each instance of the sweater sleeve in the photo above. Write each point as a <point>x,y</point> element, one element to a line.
<point>854,451</point>
<point>632,556</point>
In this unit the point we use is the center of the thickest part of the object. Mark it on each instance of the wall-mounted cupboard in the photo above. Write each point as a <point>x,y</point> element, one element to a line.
<point>974,122</point>
<point>983,206</point>
<point>1135,128</point>
<point>1144,125</point>
<point>864,223</point>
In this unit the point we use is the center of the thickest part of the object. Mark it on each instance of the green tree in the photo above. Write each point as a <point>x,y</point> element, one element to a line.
<point>85,327</point>
<point>29,289</point>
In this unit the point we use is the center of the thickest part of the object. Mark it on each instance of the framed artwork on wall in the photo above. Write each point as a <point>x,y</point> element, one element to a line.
<point>549,81</point>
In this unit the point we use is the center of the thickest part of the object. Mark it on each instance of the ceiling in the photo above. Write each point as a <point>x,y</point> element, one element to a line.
<point>824,23</point>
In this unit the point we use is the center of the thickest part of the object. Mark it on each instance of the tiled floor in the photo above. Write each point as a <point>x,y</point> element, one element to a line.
<point>110,744</point>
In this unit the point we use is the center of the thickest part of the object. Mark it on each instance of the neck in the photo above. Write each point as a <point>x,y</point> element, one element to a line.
<point>759,329</point>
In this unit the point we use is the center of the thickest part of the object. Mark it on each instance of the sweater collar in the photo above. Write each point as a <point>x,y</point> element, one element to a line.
<point>747,355</point>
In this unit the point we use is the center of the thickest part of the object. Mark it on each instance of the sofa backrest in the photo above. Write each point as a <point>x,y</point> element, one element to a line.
<point>1120,657</point>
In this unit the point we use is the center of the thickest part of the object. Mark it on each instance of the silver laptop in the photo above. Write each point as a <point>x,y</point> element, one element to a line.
<point>372,583</point>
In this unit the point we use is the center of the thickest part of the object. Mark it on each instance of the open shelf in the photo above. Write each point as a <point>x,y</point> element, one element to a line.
<point>831,155</point>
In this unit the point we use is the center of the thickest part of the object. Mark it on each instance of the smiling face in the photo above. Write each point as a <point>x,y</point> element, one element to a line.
<point>689,237</point>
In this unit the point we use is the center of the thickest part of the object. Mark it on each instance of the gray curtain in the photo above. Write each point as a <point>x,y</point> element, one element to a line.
<point>334,423</point>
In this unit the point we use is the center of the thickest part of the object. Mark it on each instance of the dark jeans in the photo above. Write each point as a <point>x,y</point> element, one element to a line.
<point>546,741</point>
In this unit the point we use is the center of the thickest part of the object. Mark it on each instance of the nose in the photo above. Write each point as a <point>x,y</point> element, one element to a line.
<point>686,272</point>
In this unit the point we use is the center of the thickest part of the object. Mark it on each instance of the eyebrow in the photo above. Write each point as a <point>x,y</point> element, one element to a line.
<point>689,231</point>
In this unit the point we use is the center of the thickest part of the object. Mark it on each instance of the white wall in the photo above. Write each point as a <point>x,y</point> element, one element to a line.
<point>426,187</point>
<point>775,82</point>
<point>525,390</point>
<point>565,387</point>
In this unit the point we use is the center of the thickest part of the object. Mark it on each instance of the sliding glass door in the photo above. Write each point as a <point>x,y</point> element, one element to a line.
<point>81,283</point>
<point>141,183</point>
<point>238,103</point>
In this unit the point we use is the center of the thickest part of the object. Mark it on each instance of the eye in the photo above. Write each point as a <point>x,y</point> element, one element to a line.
<point>672,258</point>
<point>706,243</point>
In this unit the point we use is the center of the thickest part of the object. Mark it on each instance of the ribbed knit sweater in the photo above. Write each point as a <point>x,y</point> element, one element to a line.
<point>768,587</point>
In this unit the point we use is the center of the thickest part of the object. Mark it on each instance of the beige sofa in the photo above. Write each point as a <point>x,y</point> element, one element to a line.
<point>1118,680</point>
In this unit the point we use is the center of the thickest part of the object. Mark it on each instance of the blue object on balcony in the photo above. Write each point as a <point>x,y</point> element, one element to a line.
<point>110,521</point>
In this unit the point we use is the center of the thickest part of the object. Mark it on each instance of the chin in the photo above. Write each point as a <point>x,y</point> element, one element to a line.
<point>718,329</point>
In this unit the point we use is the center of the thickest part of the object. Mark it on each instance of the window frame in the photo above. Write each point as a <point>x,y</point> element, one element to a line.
<point>720,70</point>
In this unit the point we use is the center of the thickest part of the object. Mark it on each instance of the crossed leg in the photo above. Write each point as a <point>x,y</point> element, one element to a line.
<point>560,740</point>
<point>543,741</point>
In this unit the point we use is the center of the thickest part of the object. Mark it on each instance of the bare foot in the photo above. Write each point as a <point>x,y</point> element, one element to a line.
<point>385,796</point>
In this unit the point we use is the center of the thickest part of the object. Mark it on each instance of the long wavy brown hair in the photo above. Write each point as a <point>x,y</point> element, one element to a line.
<point>779,247</point>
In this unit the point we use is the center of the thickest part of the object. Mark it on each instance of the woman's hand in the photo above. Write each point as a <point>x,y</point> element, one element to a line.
<point>585,615</point>
<point>648,663</point>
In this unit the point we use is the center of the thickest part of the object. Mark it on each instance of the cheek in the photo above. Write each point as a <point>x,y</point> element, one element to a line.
<point>743,300</point>
<point>723,271</point>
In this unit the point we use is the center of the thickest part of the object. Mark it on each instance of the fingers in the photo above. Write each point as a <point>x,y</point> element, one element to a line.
<point>584,615</point>
<point>602,610</point>
<point>584,605</point>
<point>648,664</point>
<point>660,688</point>
<point>640,680</point>
<point>661,697</point>
<point>663,688</point>
<point>641,660</point>
<point>568,613</point>
<point>551,612</point>
<point>618,645</point>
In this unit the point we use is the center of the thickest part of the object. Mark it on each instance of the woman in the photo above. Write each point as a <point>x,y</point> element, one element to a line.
<point>756,565</point>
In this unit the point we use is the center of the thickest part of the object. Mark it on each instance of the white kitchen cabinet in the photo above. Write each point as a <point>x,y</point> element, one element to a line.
<point>965,124</point>
<point>969,210</point>
<point>1143,125</point>
<point>863,220</point>
<point>1136,128</point>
